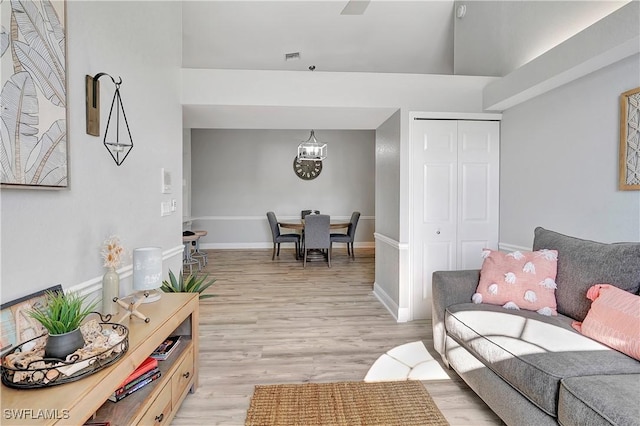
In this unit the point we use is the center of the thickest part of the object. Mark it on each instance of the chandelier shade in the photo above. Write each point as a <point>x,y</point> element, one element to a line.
<point>311,149</point>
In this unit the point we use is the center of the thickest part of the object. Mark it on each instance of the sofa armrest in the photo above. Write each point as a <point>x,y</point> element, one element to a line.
<point>449,288</point>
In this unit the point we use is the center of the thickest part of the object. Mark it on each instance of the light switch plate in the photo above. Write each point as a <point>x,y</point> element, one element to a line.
<point>165,208</point>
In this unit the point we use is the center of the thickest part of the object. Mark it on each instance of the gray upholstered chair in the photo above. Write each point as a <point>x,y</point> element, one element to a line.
<point>316,236</point>
<point>303,213</point>
<point>281,238</point>
<point>350,236</point>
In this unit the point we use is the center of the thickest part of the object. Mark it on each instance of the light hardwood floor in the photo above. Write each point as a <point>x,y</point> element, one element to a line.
<point>275,322</point>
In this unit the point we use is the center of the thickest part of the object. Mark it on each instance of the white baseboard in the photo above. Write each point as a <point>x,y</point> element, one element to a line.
<point>403,315</point>
<point>386,301</point>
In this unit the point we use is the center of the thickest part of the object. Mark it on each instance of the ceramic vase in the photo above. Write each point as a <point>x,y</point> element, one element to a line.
<point>60,345</point>
<point>110,289</point>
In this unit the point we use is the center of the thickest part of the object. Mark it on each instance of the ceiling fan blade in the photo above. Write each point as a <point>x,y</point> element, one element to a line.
<point>355,7</point>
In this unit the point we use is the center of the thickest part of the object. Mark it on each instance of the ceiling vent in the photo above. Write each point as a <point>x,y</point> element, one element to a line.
<point>292,56</point>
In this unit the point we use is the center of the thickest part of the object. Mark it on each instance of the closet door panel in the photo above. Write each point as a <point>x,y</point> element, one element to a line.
<point>435,206</point>
<point>478,180</point>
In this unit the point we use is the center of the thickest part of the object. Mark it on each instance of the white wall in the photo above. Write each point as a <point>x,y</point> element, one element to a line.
<point>611,39</point>
<point>519,31</point>
<point>55,237</point>
<point>421,92</point>
<point>239,175</point>
<point>559,162</point>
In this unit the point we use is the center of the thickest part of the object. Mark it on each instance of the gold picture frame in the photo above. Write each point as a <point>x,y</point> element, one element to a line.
<point>630,140</point>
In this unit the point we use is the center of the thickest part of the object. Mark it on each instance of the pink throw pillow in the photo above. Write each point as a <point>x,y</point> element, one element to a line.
<point>519,280</point>
<point>613,319</point>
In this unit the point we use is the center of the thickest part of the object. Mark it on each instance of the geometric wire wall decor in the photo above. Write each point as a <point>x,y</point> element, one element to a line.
<point>629,173</point>
<point>118,146</point>
<point>117,136</point>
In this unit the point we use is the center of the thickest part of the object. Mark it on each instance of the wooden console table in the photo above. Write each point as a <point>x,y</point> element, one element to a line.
<point>86,399</point>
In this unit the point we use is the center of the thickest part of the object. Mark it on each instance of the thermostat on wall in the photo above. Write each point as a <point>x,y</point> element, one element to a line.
<point>166,181</point>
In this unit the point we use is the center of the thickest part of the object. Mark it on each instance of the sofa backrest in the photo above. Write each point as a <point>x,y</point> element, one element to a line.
<point>583,263</point>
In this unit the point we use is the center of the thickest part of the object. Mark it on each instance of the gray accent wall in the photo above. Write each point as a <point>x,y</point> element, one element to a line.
<point>388,253</point>
<point>388,177</point>
<point>239,175</point>
<point>559,162</point>
<point>55,236</point>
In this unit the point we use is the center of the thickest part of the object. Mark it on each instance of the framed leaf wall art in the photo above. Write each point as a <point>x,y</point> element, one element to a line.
<point>33,135</point>
<point>630,140</point>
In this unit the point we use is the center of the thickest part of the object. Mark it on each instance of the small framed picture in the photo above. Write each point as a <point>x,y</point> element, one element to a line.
<point>17,326</point>
<point>630,140</point>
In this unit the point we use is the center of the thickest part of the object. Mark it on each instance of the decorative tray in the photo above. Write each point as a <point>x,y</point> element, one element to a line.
<point>26,367</point>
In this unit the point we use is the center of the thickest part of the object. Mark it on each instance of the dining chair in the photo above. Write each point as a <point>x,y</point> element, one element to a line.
<point>316,236</point>
<point>281,238</point>
<point>350,236</point>
<point>303,213</point>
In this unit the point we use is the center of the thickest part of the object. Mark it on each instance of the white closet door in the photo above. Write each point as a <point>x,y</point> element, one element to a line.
<point>435,206</point>
<point>455,199</point>
<point>478,183</point>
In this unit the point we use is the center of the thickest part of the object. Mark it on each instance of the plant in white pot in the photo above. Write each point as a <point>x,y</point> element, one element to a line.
<point>62,315</point>
<point>192,284</point>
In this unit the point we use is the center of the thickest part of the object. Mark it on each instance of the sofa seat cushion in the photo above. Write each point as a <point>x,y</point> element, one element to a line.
<point>600,400</point>
<point>532,352</point>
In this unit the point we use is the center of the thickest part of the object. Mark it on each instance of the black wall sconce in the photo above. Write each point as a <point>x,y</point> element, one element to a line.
<point>119,147</point>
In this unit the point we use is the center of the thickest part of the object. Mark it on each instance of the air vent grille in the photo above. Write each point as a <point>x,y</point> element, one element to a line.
<point>291,56</point>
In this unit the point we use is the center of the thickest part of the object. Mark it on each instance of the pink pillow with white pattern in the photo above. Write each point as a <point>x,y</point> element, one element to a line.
<point>519,280</point>
<point>613,319</point>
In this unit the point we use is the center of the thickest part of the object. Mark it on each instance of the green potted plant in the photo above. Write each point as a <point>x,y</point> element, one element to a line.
<point>62,315</point>
<point>192,284</point>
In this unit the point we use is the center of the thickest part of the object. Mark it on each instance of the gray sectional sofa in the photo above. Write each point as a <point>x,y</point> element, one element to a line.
<point>532,369</point>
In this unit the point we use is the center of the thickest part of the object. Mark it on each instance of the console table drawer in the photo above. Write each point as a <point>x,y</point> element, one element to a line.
<point>160,410</point>
<point>182,378</point>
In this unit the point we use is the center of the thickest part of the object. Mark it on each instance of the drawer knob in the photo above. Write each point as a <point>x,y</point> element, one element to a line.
<point>186,375</point>
<point>160,417</point>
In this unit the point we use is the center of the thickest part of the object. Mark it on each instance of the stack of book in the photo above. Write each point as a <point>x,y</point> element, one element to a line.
<point>146,373</point>
<point>163,351</point>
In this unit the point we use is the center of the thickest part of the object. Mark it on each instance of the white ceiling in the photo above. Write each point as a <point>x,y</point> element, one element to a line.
<point>389,36</point>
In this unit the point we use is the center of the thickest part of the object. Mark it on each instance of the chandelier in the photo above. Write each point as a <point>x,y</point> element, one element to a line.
<point>311,149</point>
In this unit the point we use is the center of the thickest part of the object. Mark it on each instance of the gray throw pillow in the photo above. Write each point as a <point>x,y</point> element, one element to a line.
<point>583,263</point>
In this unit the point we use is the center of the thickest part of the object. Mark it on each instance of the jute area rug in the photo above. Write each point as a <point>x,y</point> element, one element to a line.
<point>404,403</point>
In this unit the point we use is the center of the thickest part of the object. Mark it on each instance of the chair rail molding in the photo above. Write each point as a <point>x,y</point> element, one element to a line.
<point>388,288</point>
<point>95,284</point>
<point>253,231</point>
<point>390,241</point>
<point>264,218</point>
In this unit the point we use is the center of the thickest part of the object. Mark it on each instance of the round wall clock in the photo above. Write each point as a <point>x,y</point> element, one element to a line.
<point>307,169</point>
